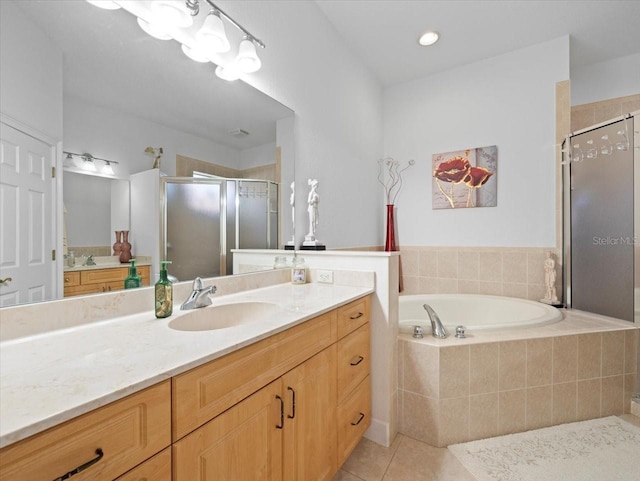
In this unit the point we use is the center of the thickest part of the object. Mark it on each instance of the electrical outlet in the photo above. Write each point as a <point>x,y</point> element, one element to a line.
<point>325,276</point>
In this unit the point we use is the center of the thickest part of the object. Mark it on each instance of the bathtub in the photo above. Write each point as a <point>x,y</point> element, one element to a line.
<point>474,311</point>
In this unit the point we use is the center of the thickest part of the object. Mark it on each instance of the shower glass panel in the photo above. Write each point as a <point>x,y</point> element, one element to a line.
<point>602,221</point>
<point>193,227</point>
<point>255,223</point>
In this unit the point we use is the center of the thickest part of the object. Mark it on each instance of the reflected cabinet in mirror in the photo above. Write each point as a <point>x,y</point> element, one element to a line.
<point>117,111</point>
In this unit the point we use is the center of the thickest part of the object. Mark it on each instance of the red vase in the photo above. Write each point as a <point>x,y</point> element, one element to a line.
<point>390,242</point>
<point>125,252</point>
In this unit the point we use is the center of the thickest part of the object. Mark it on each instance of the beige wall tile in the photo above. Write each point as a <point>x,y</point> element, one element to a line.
<point>631,351</point>
<point>606,111</point>
<point>513,365</point>
<point>612,396</point>
<point>535,292</point>
<point>448,264</point>
<point>630,389</point>
<point>630,105</point>
<point>468,265</point>
<point>420,369</point>
<point>589,355</point>
<point>539,362</point>
<point>411,285</point>
<point>613,353</point>
<point>428,259</point>
<point>514,265</point>
<point>420,417</point>
<point>400,373</point>
<point>490,288</point>
<point>588,400</point>
<point>535,266</point>
<point>483,416</point>
<point>565,359</point>
<point>582,118</point>
<point>484,362</point>
<point>490,266</point>
<point>564,402</point>
<point>454,421</point>
<point>454,372</point>
<point>447,286</point>
<point>539,407</point>
<point>410,262</point>
<point>428,285</point>
<point>512,411</point>
<point>514,290</point>
<point>467,287</point>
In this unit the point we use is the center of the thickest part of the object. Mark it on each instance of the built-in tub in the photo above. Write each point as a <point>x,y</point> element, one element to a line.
<point>474,311</point>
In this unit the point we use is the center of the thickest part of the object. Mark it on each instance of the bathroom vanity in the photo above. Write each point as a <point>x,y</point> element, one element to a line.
<point>285,400</point>
<point>95,279</point>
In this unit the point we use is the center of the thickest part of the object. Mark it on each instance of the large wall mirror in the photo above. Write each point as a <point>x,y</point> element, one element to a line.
<point>124,92</point>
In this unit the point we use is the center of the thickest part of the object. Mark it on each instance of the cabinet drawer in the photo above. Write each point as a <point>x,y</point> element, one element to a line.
<point>127,431</point>
<point>71,279</point>
<point>83,289</point>
<point>352,316</point>
<point>354,417</point>
<point>143,271</point>
<point>104,275</point>
<point>158,468</point>
<point>204,392</point>
<point>353,360</point>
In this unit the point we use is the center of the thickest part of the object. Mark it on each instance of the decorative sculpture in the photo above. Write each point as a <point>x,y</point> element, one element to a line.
<point>291,244</point>
<point>550,281</point>
<point>313,199</point>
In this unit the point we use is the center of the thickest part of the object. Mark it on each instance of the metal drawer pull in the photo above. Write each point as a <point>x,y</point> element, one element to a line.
<point>281,425</point>
<point>357,316</point>
<point>360,359</point>
<point>359,420</point>
<point>82,467</point>
<point>293,403</point>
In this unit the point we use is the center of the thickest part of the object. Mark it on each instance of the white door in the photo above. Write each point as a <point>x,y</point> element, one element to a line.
<point>27,218</point>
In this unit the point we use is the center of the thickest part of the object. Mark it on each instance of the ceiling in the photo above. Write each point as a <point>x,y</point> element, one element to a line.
<point>384,33</point>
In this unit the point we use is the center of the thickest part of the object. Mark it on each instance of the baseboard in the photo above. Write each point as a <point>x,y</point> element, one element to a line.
<point>379,433</point>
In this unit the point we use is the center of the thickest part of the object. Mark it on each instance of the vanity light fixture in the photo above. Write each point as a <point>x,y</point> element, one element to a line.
<point>174,13</point>
<point>106,4</point>
<point>153,29</point>
<point>247,59</point>
<point>229,72</point>
<point>195,54</point>
<point>212,35</point>
<point>428,38</point>
<point>108,169</point>
<point>87,162</point>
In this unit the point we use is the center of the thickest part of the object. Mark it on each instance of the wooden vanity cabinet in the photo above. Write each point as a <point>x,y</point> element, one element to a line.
<point>127,432</point>
<point>93,281</point>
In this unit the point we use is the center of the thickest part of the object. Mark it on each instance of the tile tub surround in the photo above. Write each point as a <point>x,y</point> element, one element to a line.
<point>505,382</point>
<point>501,271</point>
<point>89,365</point>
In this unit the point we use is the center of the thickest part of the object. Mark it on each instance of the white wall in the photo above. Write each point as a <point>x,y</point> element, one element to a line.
<point>508,101</point>
<point>30,91</point>
<point>87,200</point>
<point>337,103</point>
<point>257,156</point>
<point>112,135</point>
<point>614,78</point>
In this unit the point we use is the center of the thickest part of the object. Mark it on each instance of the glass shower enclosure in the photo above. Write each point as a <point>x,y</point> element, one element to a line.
<point>203,219</point>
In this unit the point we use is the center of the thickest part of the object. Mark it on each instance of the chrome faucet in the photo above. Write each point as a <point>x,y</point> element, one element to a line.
<point>437,328</point>
<point>199,296</point>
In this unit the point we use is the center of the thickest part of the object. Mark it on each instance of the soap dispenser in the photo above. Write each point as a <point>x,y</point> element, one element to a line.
<point>133,280</point>
<point>164,293</point>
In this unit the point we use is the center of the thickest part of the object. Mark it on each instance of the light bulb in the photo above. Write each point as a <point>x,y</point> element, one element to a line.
<point>195,54</point>
<point>229,72</point>
<point>89,166</point>
<point>153,29</point>
<point>211,35</point>
<point>106,4</point>
<point>171,13</point>
<point>108,169</point>
<point>247,58</point>
<point>428,38</point>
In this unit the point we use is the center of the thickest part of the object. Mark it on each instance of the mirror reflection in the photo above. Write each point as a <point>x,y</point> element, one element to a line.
<point>124,96</point>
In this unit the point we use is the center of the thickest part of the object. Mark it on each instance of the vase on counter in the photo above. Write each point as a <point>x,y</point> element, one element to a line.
<point>125,249</point>
<point>390,238</point>
<point>117,246</point>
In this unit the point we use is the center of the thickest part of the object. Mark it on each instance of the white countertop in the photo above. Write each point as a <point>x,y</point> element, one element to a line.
<point>52,377</point>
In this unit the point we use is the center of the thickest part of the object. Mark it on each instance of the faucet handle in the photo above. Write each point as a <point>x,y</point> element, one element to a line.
<point>197,284</point>
<point>460,332</point>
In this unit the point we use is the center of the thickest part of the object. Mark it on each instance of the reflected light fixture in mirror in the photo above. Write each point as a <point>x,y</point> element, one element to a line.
<point>153,29</point>
<point>174,14</point>
<point>105,4</point>
<point>86,163</point>
<point>211,35</point>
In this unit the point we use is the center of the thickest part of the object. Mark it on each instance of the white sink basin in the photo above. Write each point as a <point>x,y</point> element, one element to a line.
<point>225,316</point>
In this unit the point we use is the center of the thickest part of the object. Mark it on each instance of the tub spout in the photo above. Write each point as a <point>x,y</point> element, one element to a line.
<point>437,328</point>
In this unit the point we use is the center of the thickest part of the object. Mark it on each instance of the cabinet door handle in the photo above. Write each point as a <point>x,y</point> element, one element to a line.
<point>82,467</point>
<point>281,425</point>
<point>360,359</point>
<point>5,281</point>
<point>357,316</point>
<point>359,420</point>
<point>293,403</point>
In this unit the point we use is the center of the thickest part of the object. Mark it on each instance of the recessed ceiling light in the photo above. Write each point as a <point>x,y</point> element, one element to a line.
<point>428,38</point>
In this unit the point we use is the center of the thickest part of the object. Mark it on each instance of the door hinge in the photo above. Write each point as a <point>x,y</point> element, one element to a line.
<point>53,255</point>
<point>53,172</point>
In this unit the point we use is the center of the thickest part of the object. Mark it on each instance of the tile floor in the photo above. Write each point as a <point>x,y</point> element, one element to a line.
<point>409,460</point>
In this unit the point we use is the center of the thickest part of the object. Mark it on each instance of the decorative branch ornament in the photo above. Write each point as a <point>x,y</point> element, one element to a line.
<point>390,177</point>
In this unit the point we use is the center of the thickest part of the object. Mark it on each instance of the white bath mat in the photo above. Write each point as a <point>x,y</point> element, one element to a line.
<point>606,449</point>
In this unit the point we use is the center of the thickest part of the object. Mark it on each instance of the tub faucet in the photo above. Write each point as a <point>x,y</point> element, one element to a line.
<point>437,329</point>
<point>199,296</point>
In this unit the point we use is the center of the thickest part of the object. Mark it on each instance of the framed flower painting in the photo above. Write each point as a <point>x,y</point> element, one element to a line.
<point>465,178</point>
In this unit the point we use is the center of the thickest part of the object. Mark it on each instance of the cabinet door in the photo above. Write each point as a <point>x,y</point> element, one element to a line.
<point>158,468</point>
<point>243,443</point>
<point>310,434</point>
